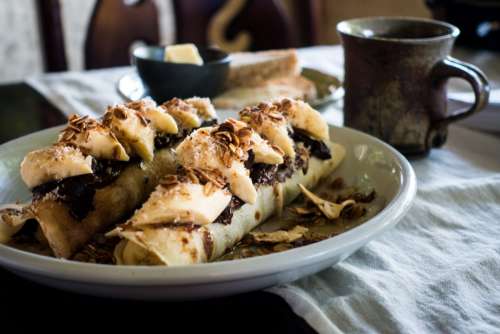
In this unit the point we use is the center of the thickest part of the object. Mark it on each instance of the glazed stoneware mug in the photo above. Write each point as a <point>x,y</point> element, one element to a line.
<point>396,71</point>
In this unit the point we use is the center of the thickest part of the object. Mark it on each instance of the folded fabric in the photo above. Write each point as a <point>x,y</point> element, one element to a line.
<point>437,271</point>
<point>82,93</point>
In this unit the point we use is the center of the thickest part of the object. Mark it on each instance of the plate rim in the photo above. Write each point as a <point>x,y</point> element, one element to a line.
<point>217,272</point>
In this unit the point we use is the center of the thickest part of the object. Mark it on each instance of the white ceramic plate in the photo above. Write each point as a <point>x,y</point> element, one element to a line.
<point>368,161</point>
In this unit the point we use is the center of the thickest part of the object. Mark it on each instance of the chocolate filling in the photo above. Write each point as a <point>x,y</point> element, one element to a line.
<point>264,174</point>
<point>164,140</point>
<point>77,192</point>
<point>270,174</point>
<point>208,123</point>
<point>287,168</point>
<point>167,140</point>
<point>317,148</point>
<point>227,215</point>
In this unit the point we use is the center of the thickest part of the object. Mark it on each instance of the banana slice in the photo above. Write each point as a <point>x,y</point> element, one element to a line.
<point>240,182</point>
<point>161,121</point>
<point>132,129</point>
<point>184,113</point>
<point>54,163</point>
<point>277,134</point>
<point>203,150</point>
<point>204,107</point>
<point>93,139</point>
<point>268,122</point>
<point>263,151</point>
<point>302,116</point>
<point>182,203</point>
<point>272,122</point>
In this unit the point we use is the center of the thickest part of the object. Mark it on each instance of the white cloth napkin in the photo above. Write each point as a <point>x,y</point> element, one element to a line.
<point>437,271</point>
<point>83,93</point>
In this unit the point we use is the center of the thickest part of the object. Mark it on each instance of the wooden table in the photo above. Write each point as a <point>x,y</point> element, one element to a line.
<point>22,111</point>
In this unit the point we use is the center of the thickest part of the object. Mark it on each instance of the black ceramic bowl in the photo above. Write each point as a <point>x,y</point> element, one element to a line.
<point>164,80</point>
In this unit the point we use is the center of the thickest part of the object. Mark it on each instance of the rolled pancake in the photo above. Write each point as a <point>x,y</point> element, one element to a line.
<point>174,244</point>
<point>86,181</point>
<point>66,234</point>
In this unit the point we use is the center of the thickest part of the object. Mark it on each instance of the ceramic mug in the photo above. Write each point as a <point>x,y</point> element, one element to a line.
<point>396,71</point>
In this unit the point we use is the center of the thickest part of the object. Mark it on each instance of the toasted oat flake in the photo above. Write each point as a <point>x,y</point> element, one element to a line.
<point>142,118</point>
<point>208,188</point>
<point>262,112</point>
<point>277,149</point>
<point>232,143</point>
<point>119,112</point>
<point>77,125</point>
<point>280,236</point>
<point>329,209</point>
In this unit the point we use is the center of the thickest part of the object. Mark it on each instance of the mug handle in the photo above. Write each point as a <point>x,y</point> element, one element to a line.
<point>451,67</point>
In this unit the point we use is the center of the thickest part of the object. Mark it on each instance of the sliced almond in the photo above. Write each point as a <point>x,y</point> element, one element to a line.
<point>97,141</point>
<point>281,235</point>
<point>129,127</point>
<point>203,150</point>
<point>270,124</point>
<point>329,209</point>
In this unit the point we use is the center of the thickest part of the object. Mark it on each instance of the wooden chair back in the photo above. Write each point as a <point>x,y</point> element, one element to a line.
<point>114,26</point>
<point>233,25</point>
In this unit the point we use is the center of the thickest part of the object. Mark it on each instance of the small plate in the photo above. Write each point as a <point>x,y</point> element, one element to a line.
<point>368,161</point>
<point>329,87</point>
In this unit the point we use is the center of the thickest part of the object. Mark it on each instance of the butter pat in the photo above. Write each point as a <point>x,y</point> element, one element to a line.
<point>183,53</point>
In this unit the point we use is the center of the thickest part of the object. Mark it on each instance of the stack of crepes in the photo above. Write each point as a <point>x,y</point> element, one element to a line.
<point>264,76</point>
<point>196,192</point>
<point>99,171</point>
<point>231,177</point>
